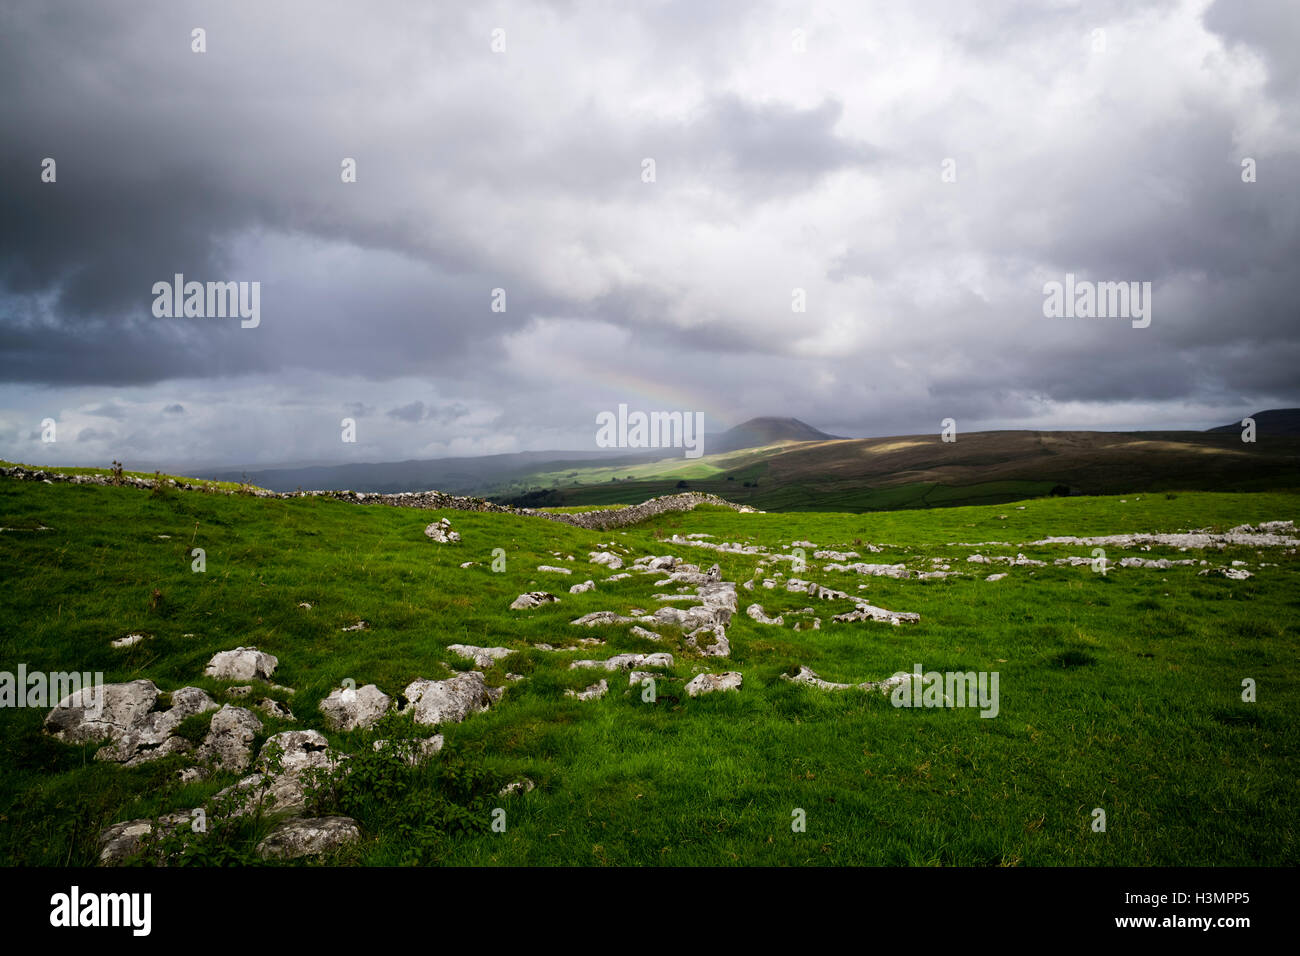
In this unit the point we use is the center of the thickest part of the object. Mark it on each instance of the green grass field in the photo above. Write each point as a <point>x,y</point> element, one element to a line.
<point>1120,691</point>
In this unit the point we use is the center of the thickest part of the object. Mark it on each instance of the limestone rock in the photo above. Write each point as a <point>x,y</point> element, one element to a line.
<point>122,841</point>
<point>583,587</point>
<point>607,558</point>
<point>94,714</point>
<point>305,836</point>
<point>299,752</point>
<point>627,662</point>
<point>593,692</point>
<point>708,683</point>
<point>532,599</point>
<point>273,708</point>
<point>756,612</point>
<point>867,612</point>
<point>710,640</point>
<point>417,751</point>
<point>481,656</point>
<point>448,701</point>
<point>149,736</point>
<point>348,708</point>
<point>809,678</point>
<point>440,532</point>
<point>243,663</point>
<point>229,743</point>
<point>1232,574</point>
<point>597,618</point>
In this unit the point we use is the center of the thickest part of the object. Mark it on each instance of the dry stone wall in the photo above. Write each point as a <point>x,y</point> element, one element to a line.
<point>430,500</point>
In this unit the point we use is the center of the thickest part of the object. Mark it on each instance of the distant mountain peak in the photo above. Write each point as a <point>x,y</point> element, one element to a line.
<point>764,430</point>
<point>1271,422</point>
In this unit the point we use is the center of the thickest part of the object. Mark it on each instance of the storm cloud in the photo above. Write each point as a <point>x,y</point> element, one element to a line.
<point>629,206</point>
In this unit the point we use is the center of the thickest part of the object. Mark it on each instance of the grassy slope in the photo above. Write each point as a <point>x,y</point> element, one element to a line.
<point>1119,692</point>
<point>921,471</point>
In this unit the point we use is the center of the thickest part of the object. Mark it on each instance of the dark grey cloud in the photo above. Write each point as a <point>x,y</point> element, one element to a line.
<point>775,170</point>
<point>1271,28</point>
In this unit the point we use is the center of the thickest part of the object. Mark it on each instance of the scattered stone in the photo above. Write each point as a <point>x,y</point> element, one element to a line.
<point>995,577</point>
<point>708,683</point>
<point>607,558</point>
<point>312,836</point>
<point>123,717</point>
<point>532,599</point>
<point>809,677</point>
<point>348,708</point>
<point>1233,574</point>
<point>710,641</point>
<point>299,751</point>
<point>638,631</point>
<point>449,701</point>
<point>124,840</point>
<point>553,569</point>
<point>796,586</point>
<point>596,618</point>
<point>756,612</point>
<point>483,657</point>
<point>875,570</point>
<point>593,691</point>
<point>627,662</point>
<point>243,663</point>
<point>417,751</point>
<point>242,691</point>
<point>229,743</point>
<point>521,786</point>
<point>273,708</point>
<point>867,612</point>
<point>583,587</point>
<point>440,532</point>
<point>618,577</point>
<point>131,640</point>
<point>1267,535</point>
<point>304,605</point>
<point>359,626</point>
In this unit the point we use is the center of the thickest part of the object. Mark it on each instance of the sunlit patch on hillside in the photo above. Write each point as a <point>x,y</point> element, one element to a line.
<point>1183,447</point>
<point>891,446</point>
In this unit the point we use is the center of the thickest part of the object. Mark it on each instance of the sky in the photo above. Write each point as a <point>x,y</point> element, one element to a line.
<point>841,212</point>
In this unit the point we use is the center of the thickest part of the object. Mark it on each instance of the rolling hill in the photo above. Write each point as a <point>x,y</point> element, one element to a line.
<point>918,471</point>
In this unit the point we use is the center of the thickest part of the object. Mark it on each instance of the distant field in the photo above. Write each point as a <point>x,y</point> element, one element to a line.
<point>922,471</point>
<point>1119,691</point>
<point>126,473</point>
